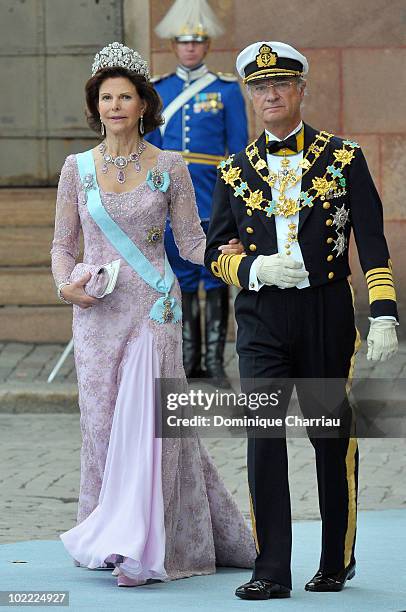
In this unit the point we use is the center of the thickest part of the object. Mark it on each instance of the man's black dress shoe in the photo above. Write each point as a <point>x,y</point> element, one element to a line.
<point>262,589</point>
<point>324,583</point>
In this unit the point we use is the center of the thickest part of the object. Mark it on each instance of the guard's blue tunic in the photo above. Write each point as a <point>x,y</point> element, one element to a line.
<point>211,125</point>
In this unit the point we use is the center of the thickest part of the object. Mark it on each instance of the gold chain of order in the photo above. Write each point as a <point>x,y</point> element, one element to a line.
<point>313,153</point>
<point>287,207</point>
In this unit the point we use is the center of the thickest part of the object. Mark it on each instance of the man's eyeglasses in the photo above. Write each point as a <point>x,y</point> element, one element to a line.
<point>261,89</point>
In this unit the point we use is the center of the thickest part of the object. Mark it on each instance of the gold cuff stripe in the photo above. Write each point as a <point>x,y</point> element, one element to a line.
<point>227,264</point>
<point>377,277</point>
<point>215,269</point>
<point>227,268</point>
<point>383,282</point>
<point>376,271</point>
<point>218,268</point>
<point>224,268</point>
<point>382,292</point>
<point>234,265</point>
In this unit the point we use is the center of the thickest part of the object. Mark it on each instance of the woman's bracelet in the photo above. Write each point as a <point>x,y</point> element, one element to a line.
<point>59,289</point>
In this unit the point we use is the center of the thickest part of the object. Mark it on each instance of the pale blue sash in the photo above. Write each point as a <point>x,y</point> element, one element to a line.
<point>165,308</point>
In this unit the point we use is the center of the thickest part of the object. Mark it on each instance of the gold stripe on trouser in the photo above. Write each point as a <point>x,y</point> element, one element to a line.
<point>254,524</point>
<point>350,463</point>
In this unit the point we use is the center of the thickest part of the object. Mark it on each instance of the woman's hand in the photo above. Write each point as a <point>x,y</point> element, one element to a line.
<point>234,247</point>
<point>75,293</point>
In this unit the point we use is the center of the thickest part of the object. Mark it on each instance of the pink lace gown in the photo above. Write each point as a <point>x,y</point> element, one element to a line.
<point>158,506</point>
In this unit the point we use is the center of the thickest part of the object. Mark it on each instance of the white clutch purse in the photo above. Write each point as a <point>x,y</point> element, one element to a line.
<point>103,279</point>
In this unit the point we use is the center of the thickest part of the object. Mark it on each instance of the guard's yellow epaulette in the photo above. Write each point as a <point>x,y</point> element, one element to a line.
<point>160,77</point>
<point>227,76</point>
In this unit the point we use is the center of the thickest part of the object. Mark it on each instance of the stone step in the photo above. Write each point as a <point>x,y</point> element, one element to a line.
<point>36,324</point>
<point>27,207</point>
<point>25,286</point>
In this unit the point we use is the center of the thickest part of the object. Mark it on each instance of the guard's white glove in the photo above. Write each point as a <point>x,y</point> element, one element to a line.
<point>382,340</point>
<point>280,270</point>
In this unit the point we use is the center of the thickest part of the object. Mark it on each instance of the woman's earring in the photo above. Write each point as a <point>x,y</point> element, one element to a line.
<point>142,129</point>
<point>102,130</point>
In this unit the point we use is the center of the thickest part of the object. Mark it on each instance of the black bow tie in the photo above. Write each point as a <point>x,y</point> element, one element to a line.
<point>276,145</point>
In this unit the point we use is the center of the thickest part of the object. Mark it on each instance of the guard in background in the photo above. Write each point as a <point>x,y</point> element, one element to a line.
<point>293,196</point>
<point>205,120</point>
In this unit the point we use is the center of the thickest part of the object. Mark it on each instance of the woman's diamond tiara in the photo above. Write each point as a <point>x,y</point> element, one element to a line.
<point>117,55</point>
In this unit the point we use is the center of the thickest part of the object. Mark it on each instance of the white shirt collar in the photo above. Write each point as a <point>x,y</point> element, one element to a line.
<point>186,74</point>
<point>273,137</point>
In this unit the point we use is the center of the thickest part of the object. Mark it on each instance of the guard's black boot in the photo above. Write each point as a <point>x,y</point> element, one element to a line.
<point>216,330</point>
<point>192,335</point>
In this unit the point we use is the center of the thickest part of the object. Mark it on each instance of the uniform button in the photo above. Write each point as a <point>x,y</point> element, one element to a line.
<point>252,285</point>
<point>330,258</point>
<point>187,128</point>
<point>186,106</point>
<point>249,212</point>
<point>187,117</point>
<point>287,252</point>
<point>329,222</point>
<point>249,230</point>
<point>329,240</point>
<point>331,275</point>
<point>253,247</point>
<point>187,139</point>
<point>326,205</point>
<point>186,150</point>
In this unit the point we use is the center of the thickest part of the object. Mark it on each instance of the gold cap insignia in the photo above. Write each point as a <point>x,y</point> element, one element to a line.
<point>266,57</point>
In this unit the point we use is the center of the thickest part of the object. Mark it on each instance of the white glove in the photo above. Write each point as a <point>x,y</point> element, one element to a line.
<point>382,340</point>
<point>280,270</point>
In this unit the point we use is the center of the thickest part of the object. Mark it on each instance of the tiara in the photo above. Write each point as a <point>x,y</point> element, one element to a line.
<point>118,55</point>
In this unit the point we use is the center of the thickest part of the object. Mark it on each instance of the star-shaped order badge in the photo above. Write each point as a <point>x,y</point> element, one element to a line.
<point>340,244</point>
<point>341,217</point>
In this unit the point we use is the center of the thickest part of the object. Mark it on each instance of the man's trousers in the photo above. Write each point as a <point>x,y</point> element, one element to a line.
<point>298,334</point>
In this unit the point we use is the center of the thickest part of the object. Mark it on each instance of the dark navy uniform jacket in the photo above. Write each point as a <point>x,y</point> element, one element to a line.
<point>206,129</point>
<point>337,196</point>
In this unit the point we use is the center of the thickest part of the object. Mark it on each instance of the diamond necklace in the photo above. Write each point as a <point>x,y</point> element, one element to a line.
<point>121,161</point>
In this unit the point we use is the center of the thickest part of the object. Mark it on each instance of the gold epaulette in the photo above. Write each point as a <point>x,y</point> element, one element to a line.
<point>227,76</point>
<point>380,284</point>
